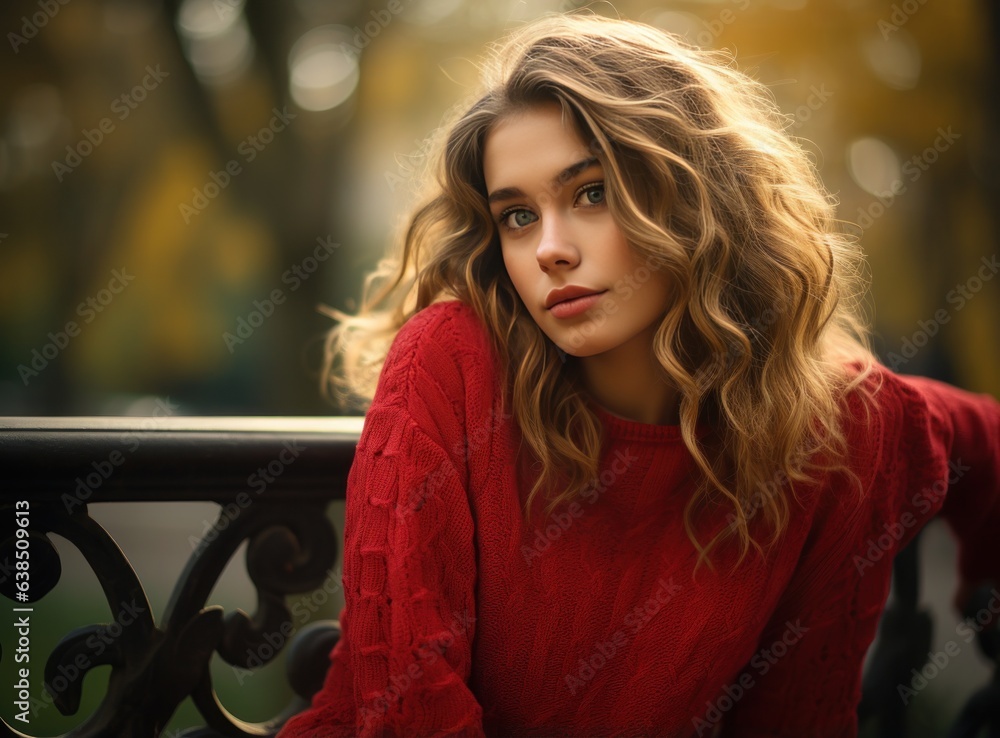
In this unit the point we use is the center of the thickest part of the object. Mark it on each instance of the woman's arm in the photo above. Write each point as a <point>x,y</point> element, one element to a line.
<point>404,659</point>
<point>939,453</point>
<point>967,433</point>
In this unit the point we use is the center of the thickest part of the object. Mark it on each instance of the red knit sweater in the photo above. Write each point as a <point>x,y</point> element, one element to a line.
<point>463,619</point>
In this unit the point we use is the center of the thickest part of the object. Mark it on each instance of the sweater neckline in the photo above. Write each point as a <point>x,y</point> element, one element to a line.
<point>624,428</point>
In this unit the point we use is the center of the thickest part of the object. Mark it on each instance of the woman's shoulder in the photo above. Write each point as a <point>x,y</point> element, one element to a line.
<point>453,321</point>
<point>441,357</point>
<point>902,399</point>
<point>448,331</point>
<point>915,427</point>
<point>881,412</point>
<point>883,399</point>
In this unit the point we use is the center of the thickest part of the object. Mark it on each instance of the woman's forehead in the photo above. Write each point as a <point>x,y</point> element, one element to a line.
<point>532,148</point>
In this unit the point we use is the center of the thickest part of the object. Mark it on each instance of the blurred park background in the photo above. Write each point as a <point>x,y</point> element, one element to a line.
<point>184,183</point>
<point>167,168</point>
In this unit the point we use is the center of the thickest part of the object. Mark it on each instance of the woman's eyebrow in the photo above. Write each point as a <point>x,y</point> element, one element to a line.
<point>511,193</point>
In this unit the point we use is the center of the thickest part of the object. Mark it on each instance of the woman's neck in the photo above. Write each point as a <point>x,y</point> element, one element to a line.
<point>629,382</point>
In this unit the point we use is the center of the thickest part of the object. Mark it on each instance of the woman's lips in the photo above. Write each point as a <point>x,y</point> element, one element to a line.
<point>572,308</point>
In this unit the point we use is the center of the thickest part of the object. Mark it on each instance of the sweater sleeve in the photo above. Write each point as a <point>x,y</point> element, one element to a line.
<point>965,431</point>
<point>939,451</point>
<point>404,659</point>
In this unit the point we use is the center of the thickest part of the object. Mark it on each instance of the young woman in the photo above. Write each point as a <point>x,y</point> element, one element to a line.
<point>625,297</point>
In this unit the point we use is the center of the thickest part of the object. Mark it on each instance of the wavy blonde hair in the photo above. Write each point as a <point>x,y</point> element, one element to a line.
<point>764,316</point>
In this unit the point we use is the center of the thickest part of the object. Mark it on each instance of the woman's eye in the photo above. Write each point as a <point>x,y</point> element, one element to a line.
<point>515,219</point>
<point>592,194</point>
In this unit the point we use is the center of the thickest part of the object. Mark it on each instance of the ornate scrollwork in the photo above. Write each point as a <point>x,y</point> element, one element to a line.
<point>291,548</point>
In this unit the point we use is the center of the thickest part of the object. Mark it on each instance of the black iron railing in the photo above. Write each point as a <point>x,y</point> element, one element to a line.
<point>56,468</point>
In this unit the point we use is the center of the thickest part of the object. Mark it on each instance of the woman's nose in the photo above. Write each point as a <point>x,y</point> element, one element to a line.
<point>556,247</point>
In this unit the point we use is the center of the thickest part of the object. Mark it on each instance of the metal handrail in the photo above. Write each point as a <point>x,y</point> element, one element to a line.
<point>273,479</point>
<point>62,465</point>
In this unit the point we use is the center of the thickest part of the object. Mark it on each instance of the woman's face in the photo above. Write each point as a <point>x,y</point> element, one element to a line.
<point>546,193</point>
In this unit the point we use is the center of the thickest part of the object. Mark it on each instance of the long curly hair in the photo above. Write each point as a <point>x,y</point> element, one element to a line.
<point>764,332</point>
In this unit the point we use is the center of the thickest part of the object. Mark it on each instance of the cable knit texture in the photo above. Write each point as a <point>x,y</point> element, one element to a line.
<point>463,618</point>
